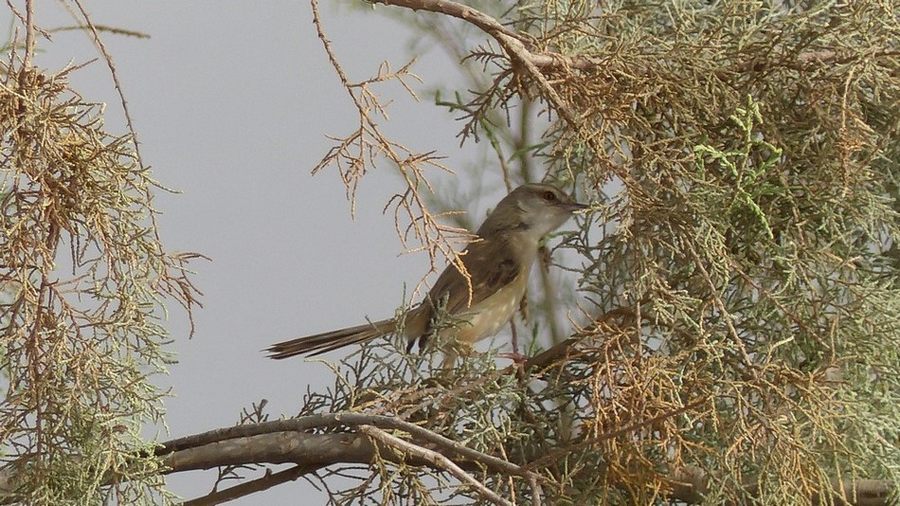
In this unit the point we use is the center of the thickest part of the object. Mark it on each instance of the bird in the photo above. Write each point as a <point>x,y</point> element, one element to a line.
<point>458,310</point>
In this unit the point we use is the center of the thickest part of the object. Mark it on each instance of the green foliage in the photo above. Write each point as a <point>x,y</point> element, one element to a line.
<point>740,188</point>
<point>83,276</point>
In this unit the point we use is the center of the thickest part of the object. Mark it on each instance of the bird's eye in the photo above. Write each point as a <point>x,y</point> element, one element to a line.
<point>549,196</point>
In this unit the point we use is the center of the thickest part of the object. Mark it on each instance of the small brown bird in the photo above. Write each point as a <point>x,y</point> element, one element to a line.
<point>498,262</point>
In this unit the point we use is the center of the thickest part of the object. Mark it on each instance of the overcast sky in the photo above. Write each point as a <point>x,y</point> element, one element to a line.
<point>232,101</point>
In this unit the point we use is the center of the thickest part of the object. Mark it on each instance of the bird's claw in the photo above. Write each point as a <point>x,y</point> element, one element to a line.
<point>515,356</point>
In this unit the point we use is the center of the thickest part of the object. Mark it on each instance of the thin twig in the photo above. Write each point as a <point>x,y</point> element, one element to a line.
<point>435,458</point>
<point>29,34</point>
<point>266,482</point>
<point>115,77</point>
<point>522,59</point>
<point>354,154</point>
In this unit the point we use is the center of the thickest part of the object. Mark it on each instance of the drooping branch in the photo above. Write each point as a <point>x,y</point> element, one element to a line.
<point>355,154</point>
<point>524,61</point>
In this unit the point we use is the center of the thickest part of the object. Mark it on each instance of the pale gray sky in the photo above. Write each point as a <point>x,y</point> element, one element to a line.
<point>232,101</point>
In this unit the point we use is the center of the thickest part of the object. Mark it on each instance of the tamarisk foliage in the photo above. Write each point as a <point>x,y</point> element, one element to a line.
<point>740,327</point>
<point>83,276</point>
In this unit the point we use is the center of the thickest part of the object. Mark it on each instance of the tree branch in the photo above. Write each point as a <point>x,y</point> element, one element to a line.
<point>435,458</point>
<point>329,420</point>
<point>521,57</point>
<point>303,448</point>
<point>287,442</point>
<point>312,452</point>
<point>266,482</point>
<point>495,29</point>
<point>29,34</point>
<point>315,451</point>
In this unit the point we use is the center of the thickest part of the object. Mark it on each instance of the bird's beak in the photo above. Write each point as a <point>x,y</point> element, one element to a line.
<point>575,207</point>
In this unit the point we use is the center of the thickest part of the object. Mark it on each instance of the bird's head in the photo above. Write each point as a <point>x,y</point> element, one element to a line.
<point>535,209</point>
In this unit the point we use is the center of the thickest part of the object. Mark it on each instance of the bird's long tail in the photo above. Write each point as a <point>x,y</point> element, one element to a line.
<point>317,344</point>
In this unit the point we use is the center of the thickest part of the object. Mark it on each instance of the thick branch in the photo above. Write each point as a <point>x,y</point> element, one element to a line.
<point>328,420</point>
<point>315,451</point>
<point>312,450</point>
<point>287,442</point>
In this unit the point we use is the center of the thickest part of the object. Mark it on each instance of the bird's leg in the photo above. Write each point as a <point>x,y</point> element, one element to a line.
<point>523,306</point>
<point>450,356</point>
<point>454,350</point>
<point>514,355</point>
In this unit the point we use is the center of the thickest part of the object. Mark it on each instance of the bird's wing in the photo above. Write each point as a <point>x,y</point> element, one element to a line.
<point>491,266</point>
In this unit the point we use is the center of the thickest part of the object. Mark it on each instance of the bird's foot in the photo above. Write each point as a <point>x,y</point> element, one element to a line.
<point>515,356</point>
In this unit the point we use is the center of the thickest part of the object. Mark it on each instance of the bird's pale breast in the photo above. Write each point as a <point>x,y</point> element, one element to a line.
<point>488,316</point>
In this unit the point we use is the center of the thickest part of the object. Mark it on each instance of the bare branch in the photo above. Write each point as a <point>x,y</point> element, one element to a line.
<point>434,458</point>
<point>335,420</point>
<point>315,451</point>
<point>98,41</point>
<point>266,482</point>
<point>29,34</point>
<point>312,451</point>
<point>356,153</point>
<point>522,59</point>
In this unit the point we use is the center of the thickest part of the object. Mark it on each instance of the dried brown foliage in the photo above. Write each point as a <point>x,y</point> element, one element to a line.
<point>83,278</point>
